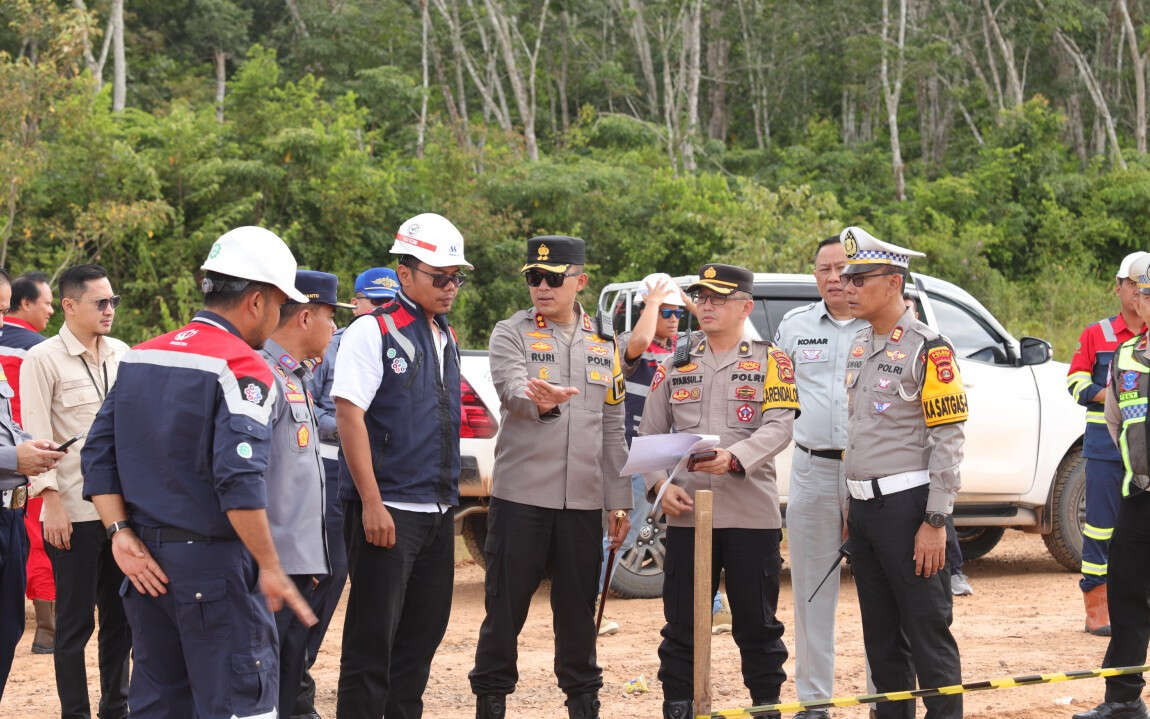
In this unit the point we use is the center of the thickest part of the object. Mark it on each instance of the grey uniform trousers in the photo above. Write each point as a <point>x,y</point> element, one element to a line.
<point>816,506</point>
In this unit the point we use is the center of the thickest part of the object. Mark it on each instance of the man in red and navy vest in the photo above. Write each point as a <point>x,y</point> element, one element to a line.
<point>175,463</point>
<point>1086,380</point>
<point>31,310</point>
<point>397,407</point>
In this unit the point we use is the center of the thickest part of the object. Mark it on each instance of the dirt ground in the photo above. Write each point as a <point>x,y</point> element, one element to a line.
<point>1025,617</point>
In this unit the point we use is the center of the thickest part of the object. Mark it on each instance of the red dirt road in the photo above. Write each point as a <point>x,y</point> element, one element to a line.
<point>1025,617</point>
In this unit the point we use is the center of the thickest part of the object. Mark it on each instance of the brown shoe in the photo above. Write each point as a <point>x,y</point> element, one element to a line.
<point>45,640</point>
<point>1097,613</point>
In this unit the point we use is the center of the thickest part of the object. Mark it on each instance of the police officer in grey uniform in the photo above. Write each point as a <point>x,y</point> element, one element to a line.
<point>817,337</point>
<point>295,475</point>
<point>20,458</point>
<point>557,460</point>
<point>743,390</point>
<point>906,410</point>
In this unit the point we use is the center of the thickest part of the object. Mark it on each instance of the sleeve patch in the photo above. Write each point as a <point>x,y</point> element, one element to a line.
<point>943,396</point>
<point>779,391</point>
<point>660,375</point>
<point>618,389</point>
<point>253,390</point>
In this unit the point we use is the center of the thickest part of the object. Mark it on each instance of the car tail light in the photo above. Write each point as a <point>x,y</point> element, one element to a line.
<point>477,422</point>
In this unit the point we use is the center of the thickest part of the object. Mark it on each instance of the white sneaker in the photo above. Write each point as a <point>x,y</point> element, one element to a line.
<point>721,616</point>
<point>608,628</point>
<point>960,585</point>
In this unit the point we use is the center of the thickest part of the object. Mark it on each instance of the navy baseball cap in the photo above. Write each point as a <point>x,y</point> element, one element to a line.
<point>377,283</point>
<point>320,288</point>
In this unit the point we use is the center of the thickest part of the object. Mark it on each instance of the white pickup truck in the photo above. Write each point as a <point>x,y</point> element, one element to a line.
<point>1022,469</point>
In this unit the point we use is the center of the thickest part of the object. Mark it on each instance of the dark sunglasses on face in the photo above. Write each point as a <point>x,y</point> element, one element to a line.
<point>860,280</point>
<point>103,303</point>
<point>669,312</point>
<point>440,280</point>
<point>554,279</point>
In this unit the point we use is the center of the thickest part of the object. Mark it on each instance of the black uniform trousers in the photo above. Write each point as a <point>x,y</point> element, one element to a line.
<point>906,618</point>
<point>325,598</point>
<point>397,612</point>
<point>752,561</point>
<point>88,579</point>
<point>524,544</point>
<point>293,652</point>
<point>13,546</point>
<point>1128,595</point>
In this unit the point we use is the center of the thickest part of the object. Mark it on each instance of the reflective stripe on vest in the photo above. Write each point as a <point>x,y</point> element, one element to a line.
<point>1107,330</point>
<point>404,343</point>
<point>1133,412</point>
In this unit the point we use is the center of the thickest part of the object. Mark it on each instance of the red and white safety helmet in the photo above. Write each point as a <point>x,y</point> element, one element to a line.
<point>431,239</point>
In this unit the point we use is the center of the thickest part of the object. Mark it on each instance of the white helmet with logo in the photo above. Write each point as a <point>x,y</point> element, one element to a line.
<point>655,281</point>
<point>253,253</point>
<point>431,239</point>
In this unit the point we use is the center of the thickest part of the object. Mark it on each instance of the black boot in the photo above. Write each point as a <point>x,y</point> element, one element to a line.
<point>490,706</point>
<point>583,706</point>
<point>759,701</point>
<point>1116,710</point>
<point>680,709</point>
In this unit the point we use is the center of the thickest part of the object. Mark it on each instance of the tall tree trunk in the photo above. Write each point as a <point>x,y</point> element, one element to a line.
<point>221,62</point>
<point>488,88</point>
<point>297,18</point>
<point>421,130</point>
<point>1013,83</point>
<point>718,53</point>
<point>754,73</point>
<point>692,42</point>
<point>1138,59</point>
<point>892,92</point>
<point>85,41</point>
<point>564,60</point>
<point>119,65</point>
<point>1070,47</point>
<point>522,84</point>
<point>640,36</point>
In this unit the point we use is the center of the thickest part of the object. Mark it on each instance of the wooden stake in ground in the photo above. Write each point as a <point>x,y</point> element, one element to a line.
<point>702,660</point>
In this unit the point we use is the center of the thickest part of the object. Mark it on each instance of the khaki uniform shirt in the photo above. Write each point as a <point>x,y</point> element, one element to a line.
<point>747,396</point>
<point>570,458</point>
<point>295,470</point>
<point>61,388</point>
<point>906,406</point>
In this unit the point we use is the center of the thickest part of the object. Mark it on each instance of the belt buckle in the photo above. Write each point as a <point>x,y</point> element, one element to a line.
<point>20,497</point>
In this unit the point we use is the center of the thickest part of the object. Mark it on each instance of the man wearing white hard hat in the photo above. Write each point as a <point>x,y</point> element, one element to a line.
<point>397,407</point>
<point>906,408</point>
<point>1086,381</point>
<point>175,463</point>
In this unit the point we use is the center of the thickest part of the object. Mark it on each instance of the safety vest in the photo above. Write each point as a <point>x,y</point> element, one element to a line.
<point>1131,380</point>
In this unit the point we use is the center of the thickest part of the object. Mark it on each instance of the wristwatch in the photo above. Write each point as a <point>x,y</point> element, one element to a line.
<point>117,526</point>
<point>936,519</point>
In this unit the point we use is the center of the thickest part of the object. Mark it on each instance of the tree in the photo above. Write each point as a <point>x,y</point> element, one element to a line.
<point>220,28</point>
<point>892,91</point>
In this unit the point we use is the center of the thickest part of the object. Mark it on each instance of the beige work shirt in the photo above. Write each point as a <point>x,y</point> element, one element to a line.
<point>747,396</point>
<point>61,388</point>
<point>906,406</point>
<point>569,459</point>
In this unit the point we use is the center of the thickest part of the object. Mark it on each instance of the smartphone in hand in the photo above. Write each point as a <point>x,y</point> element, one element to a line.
<point>64,447</point>
<point>698,457</point>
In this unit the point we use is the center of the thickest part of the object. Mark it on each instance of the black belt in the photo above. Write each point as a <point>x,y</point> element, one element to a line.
<point>175,534</point>
<point>835,454</point>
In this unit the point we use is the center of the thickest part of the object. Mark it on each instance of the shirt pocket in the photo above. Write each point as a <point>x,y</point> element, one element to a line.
<point>686,408</point>
<point>80,398</point>
<point>301,426</point>
<point>595,392</point>
<point>744,405</point>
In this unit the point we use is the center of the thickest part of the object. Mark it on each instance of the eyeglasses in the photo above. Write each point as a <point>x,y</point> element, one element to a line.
<point>554,279</point>
<point>669,312</point>
<point>439,280</point>
<point>860,280</point>
<point>103,303</point>
<point>716,300</point>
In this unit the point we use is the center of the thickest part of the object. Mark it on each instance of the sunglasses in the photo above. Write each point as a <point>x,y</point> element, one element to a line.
<point>554,279</point>
<point>103,303</point>
<point>440,280</point>
<point>860,280</point>
<point>669,312</point>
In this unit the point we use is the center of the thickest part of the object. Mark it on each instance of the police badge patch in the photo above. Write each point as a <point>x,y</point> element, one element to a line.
<point>1129,380</point>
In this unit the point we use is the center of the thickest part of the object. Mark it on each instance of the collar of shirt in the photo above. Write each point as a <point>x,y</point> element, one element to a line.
<point>211,318</point>
<point>1119,325</point>
<point>10,320</point>
<point>416,309</point>
<point>277,352</point>
<point>76,348</point>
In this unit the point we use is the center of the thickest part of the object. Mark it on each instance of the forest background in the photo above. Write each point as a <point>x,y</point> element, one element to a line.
<point>1004,138</point>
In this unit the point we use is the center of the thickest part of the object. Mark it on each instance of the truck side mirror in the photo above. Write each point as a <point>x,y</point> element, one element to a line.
<point>1034,351</point>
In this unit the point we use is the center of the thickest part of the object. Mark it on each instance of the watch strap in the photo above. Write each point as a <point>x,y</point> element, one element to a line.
<point>117,526</point>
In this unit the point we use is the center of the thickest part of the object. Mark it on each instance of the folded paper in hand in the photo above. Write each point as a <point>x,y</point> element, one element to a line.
<point>668,452</point>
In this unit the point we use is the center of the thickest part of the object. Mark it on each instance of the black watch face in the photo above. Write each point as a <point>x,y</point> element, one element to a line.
<point>936,519</point>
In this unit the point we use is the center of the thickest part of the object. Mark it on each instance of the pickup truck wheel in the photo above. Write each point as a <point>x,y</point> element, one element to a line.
<point>1069,512</point>
<point>639,570</point>
<point>474,531</point>
<point>977,542</point>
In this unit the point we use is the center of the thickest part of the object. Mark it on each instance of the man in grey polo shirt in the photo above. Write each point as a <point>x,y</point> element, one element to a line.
<point>817,337</point>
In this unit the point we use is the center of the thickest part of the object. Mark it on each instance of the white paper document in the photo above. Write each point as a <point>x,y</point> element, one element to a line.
<point>670,452</point>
